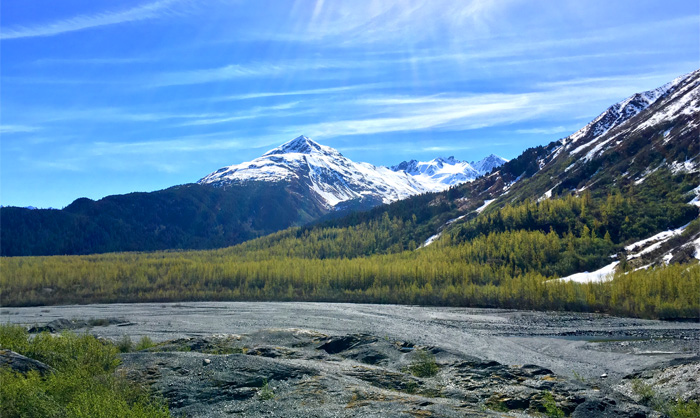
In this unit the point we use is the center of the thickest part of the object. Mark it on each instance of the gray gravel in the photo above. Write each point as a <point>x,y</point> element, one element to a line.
<point>570,344</point>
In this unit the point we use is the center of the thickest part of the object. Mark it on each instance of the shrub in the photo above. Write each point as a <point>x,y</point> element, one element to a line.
<point>424,365</point>
<point>550,406</point>
<point>683,409</point>
<point>144,343</point>
<point>125,345</point>
<point>84,383</point>
<point>266,392</point>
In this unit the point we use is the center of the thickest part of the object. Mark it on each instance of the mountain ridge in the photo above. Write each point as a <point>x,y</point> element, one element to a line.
<point>335,180</point>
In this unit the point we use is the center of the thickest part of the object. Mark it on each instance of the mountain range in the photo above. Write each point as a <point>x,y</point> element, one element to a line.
<point>644,148</point>
<point>298,182</point>
<point>335,181</point>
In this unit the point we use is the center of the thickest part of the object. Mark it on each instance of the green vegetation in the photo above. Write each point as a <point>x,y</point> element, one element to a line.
<point>578,377</point>
<point>644,391</point>
<point>144,343</point>
<point>550,406</point>
<point>503,258</point>
<point>83,383</point>
<point>266,392</point>
<point>125,345</point>
<point>673,409</point>
<point>424,364</point>
<point>682,409</point>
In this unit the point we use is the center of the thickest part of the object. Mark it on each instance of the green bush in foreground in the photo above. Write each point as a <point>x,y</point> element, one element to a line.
<point>84,383</point>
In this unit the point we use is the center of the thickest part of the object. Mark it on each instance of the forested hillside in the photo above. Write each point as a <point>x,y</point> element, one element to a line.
<point>513,265</point>
<point>191,216</point>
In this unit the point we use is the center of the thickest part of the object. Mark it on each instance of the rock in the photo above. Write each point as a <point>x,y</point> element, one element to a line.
<point>58,325</point>
<point>367,355</point>
<point>22,364</point>
<point>314,375</point>
<point>336,345</point>
<point>531,370</point>
<point>606,408</point>
<point>272,352</point>
<point>63,324</point>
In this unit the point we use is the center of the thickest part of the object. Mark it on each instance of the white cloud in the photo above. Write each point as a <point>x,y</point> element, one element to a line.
<point>256,112</point>
<point>546,131</point>
<point>306,92</point>
<point>13,129</point>
<point>146,11</point>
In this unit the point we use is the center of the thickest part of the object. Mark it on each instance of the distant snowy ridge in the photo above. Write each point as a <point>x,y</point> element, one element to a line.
<point>335,179</point>
<point>441,173</point>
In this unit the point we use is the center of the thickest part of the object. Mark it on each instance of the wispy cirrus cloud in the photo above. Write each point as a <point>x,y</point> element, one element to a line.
<point>14,129</point>
<point>304,92</point>
<point>381,21</point>
<point>101,114</point>
<point>91,61</point>
<point>250,70</point>
<point>146,11</point>
<point>443,112</point>
<point>256,112</point>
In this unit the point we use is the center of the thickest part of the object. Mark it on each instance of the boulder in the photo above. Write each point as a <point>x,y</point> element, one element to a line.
<point>22,364</point>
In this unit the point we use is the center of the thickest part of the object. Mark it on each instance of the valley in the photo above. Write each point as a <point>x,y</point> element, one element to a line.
<point>395,208</point>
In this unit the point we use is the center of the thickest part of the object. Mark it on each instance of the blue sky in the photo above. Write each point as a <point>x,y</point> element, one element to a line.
<point>103,97</point>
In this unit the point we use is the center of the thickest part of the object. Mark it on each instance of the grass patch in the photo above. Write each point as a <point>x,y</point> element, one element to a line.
<point>424,365</point>
<point>682,409</point>
<point>84,383</point>
<point>125,345</point>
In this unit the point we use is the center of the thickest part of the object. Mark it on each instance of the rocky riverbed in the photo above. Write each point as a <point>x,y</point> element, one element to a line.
<point>334,360</point>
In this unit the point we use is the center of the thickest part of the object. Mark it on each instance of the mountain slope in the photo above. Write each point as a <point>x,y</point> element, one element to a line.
<point>503,240</point>
<point>644,149</point>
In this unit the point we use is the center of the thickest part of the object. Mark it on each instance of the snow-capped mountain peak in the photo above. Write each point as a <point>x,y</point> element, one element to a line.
<point>327,175</point>
<point>487,164</point>
<point>302,145</point>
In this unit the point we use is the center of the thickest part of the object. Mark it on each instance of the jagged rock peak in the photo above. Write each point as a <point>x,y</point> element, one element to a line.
<point>301,145</point>
<point>488,163</point>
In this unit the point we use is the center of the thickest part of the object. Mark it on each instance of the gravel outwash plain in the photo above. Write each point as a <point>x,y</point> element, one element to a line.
<point>319,359</point>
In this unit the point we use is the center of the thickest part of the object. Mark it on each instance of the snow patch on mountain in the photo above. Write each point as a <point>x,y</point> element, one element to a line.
<point>603,274</point>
